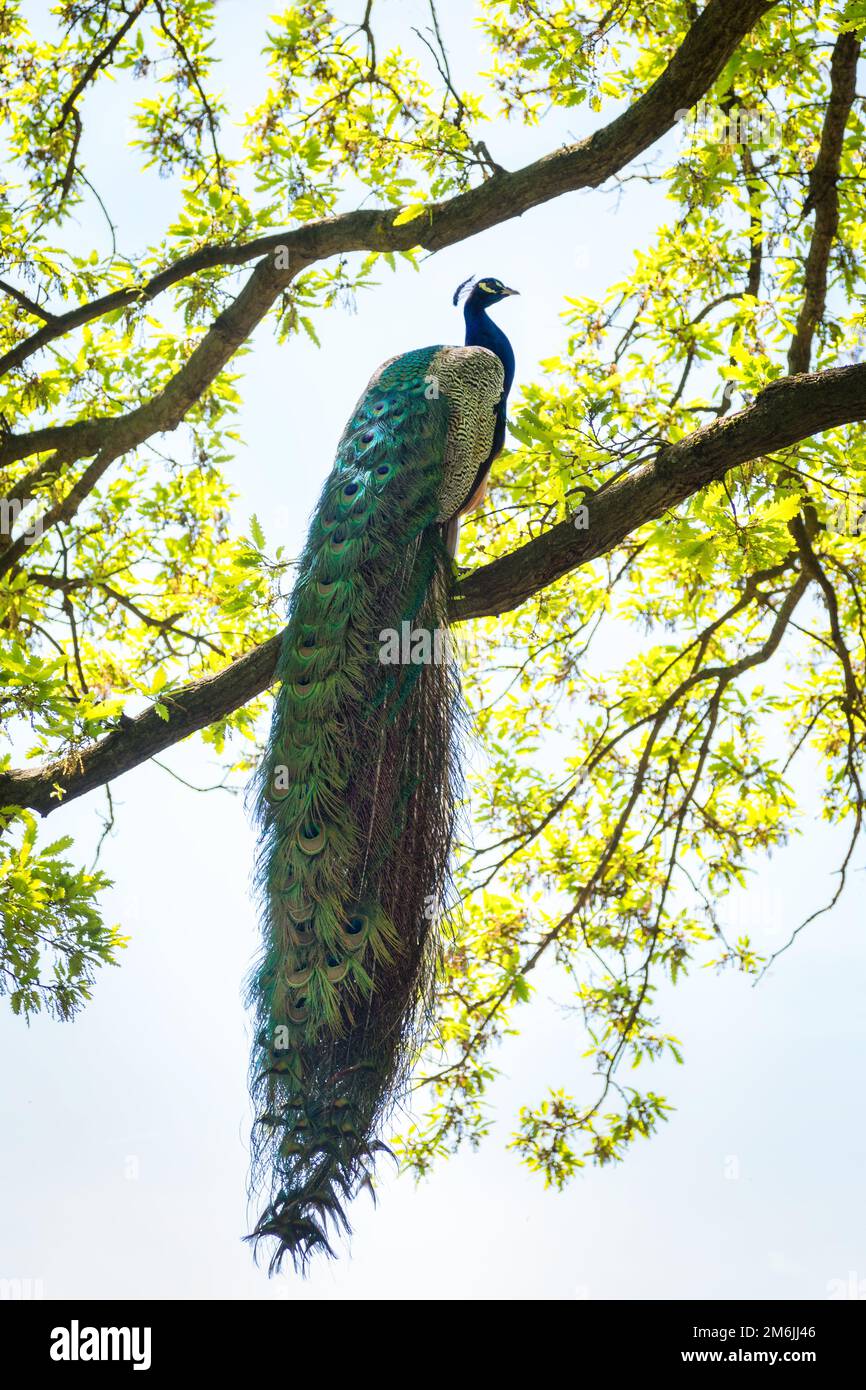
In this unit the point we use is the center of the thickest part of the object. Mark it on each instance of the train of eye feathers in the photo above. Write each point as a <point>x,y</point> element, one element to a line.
<point>355,796</point>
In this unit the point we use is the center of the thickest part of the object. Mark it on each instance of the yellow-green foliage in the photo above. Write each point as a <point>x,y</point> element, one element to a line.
<point>637,720</point>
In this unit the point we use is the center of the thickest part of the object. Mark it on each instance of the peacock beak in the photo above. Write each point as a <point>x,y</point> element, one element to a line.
<point>506,291</point>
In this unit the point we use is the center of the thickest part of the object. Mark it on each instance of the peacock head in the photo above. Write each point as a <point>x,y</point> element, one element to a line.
<point>482,292</point>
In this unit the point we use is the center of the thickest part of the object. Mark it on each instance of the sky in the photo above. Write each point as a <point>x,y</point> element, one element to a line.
<point>123,1155</point>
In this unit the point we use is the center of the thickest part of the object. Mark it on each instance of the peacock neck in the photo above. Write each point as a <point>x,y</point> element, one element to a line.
<point>483,332</point>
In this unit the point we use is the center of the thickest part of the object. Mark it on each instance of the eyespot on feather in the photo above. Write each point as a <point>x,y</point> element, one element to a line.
<point>301,933</point>
<point>354,931</point>
<point>278,793</point>
<point>311,839</point>
<point>299,910</point>
<point>304,734</point>
<point>382,473</point>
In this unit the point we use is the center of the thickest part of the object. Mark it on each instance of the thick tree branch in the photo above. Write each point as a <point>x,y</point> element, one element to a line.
<point>109,439</point>
<point>785,412</point>
<point>137,740</point>
<point>206,258</point>
<point>824,198</point>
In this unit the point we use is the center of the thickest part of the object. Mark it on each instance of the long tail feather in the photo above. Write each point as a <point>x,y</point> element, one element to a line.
<point>355,807</point>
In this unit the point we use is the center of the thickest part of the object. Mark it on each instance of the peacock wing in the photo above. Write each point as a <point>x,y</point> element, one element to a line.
<point>470,381</point>
<point>449,397</point>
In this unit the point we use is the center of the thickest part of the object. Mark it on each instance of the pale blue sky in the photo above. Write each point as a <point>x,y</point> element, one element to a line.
<point>123,1160</point>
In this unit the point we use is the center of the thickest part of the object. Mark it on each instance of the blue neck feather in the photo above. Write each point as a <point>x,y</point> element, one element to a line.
<point>483,332</point>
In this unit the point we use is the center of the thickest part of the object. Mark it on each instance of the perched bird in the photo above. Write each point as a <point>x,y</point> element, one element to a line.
<point>355,795</point>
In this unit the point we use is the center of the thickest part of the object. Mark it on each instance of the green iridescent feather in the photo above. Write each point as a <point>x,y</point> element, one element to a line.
<point>355,809</point>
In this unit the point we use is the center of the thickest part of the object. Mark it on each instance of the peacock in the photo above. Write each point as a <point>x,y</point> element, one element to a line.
<point>355,795</point>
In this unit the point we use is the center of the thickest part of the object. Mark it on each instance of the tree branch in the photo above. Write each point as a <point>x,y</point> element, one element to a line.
<point>136,740</point>
<point>36,310</point>
<point>97,61</point>
<point>786,411</point>
<point>109,439</point>
<point>824,198</point>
